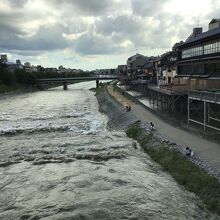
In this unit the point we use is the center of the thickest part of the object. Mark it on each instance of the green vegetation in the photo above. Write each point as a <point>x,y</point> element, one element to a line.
<point>183,170</point>
<point>5,88</point>
<point>100,89</point>
<point>127,95</point>
<point>13,80</point>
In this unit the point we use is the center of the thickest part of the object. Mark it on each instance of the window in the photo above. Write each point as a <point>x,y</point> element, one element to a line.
<point>213,69</point>
<point>198,69</point>
<point>186,69</point>
<point>208,48</point>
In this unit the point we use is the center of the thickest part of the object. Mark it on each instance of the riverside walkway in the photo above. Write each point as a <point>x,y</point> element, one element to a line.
<point>205,149</point>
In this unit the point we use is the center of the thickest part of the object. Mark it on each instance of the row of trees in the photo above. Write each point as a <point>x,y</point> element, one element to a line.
<point>18,76</point>
<point>22,77</point>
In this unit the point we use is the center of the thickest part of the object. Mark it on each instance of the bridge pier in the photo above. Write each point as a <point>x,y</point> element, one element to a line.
<point>97,83</point>
<point>65,86</point>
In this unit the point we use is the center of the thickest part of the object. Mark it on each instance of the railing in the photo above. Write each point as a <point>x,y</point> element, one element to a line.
<point>204,95</point>
<point>170,88</point>
<point>68,79</point>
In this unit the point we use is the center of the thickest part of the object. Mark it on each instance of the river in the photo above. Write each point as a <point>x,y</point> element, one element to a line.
<point>59,161</point>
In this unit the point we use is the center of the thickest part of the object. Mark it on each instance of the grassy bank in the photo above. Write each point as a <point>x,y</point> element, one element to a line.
<point>5,88</point>
<point>183,170</point>
<point>127,95</point>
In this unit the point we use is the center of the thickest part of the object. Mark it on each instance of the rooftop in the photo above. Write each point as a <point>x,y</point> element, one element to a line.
<point>136,56</point>
<point>204,35</point>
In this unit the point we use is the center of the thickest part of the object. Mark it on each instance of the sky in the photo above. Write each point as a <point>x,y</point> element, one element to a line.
<point>96,34</point>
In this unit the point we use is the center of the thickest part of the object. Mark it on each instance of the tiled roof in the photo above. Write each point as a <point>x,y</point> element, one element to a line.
<point>202,36</point>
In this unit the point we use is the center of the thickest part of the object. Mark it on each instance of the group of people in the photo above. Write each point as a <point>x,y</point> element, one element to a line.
<point>127,108</point>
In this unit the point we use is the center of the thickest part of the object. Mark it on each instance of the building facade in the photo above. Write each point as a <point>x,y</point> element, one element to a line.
<point>199,56</point>
<point>199,65</point>
<point>133,63</point>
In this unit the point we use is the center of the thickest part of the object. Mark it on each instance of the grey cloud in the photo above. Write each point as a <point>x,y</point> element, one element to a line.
<point>147,8</point>
<point>121,24</point>
<point>131,28</point>
<point>23,53</point>
<point>70,58</point>
<point>17,3</point>
<point>155,32</point>
<point>46,39</point>
<point>92,44</point>
<point>87,7</point>
<point>148,26</point>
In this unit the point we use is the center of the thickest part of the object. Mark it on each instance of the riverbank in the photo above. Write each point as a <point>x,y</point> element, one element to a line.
<point>5,88</point>
<point>20,88</point>
<point>15,90</point>
<point>191,173</point>
<point>206,150</point>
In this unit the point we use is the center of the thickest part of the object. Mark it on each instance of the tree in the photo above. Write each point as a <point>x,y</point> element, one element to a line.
<point>6,77</point>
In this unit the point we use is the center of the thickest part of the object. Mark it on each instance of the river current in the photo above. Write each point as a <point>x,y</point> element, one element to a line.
<point>58,160</point>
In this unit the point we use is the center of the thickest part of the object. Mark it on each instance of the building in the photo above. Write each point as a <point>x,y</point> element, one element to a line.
<point>4,58</point>
<point>133,63</point>
<point>27,67</point>
<point>165,67</point>
<point>214,23</point>
<point>14,66</point>
<point>122,72</point>
<point>146,69</point>
<point>199,57</point>
<point>50,70</point>
<point>18,62</point>
<point>198,67</point>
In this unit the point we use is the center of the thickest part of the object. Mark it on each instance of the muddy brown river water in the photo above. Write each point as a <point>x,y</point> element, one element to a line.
<point>58,160</point>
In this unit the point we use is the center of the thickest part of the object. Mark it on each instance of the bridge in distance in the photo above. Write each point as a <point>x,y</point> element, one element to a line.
<point>67,80</point>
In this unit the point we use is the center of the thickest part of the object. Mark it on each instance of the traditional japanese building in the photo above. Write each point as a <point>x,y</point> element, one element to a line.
<point>198,67</point>
<point>199,57</point>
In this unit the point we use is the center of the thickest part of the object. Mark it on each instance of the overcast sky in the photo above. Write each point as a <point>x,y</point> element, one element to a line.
<point>91,34</point>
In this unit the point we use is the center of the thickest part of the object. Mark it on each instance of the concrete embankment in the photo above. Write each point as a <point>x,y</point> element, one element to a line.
<point>120,119</point>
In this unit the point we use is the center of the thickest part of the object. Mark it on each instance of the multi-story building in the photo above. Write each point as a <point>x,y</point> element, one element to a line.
<point>14,66</point>
<point>199,57</point>
<point>165,68</point>
<point>133,63</point>
<point>199,68</point>
<point>122,72</point>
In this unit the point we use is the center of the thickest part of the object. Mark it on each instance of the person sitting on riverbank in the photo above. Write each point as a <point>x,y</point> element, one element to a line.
<point>189,152</point>
<point>152,126</point>
<point>127,108</point>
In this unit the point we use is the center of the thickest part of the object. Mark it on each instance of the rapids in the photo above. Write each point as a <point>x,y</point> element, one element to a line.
<point>59,161</point>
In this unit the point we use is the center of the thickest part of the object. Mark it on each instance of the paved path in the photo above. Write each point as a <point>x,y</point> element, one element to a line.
<point>205,149</point>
